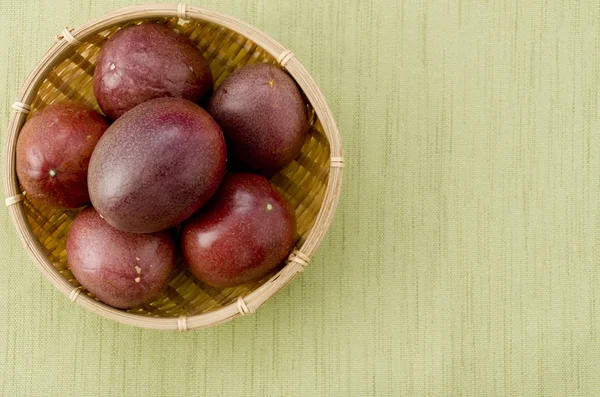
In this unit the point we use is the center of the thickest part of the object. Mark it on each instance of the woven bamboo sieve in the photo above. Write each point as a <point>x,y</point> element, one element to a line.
<point>312,182</point>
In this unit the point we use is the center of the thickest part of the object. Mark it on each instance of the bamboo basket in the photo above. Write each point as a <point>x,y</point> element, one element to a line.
<point>312,182</point>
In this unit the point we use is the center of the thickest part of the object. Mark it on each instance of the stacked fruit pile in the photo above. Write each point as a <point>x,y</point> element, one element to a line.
<point>167,174</point>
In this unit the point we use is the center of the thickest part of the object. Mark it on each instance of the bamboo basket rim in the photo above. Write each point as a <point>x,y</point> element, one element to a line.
<point>285,57</point>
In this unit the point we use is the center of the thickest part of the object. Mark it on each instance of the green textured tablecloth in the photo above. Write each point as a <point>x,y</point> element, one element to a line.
<point>464,256</point>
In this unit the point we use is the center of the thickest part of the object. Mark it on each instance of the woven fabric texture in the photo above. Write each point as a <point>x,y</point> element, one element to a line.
<point>464,257</point>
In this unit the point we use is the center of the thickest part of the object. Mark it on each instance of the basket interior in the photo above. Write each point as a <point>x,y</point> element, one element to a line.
<point>303,182</point>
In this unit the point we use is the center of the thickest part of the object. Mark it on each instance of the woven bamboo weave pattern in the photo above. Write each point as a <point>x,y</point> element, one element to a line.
<point>304,182</point>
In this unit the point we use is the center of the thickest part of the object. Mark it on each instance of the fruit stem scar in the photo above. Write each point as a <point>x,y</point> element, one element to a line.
<point>272,83</point>
<point>269,207</point>
<point>52,173</point>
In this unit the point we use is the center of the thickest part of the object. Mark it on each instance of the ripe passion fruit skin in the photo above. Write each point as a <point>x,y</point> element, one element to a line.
<point>157,165</point>
<point>53,153</point>
<point>124,270</point>
<point>148,61</point>
<point>246,231</point>
<point>263,116</point>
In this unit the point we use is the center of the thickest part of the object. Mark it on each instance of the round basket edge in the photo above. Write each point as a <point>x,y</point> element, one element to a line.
<point>244,305</point>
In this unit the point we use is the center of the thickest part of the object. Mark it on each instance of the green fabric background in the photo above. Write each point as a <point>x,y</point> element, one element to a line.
<point>464,255</point>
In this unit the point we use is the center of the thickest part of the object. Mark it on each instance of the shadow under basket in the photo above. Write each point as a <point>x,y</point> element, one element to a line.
<point>312,182</point>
